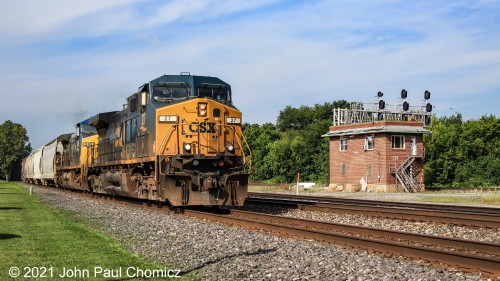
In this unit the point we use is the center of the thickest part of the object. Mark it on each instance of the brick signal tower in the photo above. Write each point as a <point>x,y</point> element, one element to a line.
<point>376,148</point>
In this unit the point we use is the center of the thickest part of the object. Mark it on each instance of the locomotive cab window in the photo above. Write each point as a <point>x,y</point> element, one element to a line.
<point>214,91</point>
<point>87,130</point>
<point>169,92</point>
<point>133,104</point>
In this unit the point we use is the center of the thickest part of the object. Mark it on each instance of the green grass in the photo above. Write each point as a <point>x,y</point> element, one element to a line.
<point>34,235</point>
<point>487,198</point>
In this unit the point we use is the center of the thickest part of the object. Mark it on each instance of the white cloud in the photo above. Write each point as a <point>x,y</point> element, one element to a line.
<point>72,59</point>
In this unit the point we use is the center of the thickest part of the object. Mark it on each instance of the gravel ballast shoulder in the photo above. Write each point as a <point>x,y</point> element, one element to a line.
<point>211,251</point>
<point>428,228</point>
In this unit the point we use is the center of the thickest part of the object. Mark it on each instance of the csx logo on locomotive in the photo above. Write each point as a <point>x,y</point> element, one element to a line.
<point>203,127</point>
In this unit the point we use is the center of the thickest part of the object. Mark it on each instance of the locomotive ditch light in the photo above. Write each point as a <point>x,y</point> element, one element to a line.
<point>230,147</point>
<point>187,147</point>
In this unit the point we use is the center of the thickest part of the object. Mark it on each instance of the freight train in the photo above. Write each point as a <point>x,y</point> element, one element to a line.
<point>177,140</point>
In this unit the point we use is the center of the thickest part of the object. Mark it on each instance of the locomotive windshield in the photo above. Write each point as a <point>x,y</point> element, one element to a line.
<point>214,91</point>
<point>169,92</point>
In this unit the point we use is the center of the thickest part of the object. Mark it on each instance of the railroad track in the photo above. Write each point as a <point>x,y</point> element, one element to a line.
<point>466,254</point>
<point>450,214</point>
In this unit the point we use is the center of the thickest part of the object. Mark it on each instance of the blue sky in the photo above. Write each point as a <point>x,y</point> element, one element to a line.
<point>63,61</point>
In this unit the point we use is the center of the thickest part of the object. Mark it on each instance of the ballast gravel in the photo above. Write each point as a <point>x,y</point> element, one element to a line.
<point>427,228</point>
<point>206,250</point>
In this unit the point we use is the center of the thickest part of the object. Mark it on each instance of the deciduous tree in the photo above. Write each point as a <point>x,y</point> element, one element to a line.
<point>14,145</point>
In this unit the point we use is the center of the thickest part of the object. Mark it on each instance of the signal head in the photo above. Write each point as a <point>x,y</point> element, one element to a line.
<point>404,94</point>
<point>406,106</point>
<point>381,104</point>
<point>427,95</point>
<point>428,107</point>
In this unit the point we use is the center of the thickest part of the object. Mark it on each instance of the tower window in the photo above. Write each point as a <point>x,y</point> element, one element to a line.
<point>369,143</point>
<point>398,142</point>
<point>343,144</point>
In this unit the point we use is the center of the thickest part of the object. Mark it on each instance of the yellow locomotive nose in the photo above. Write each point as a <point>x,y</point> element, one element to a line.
<point>200,152</point>
<point>206,127</point>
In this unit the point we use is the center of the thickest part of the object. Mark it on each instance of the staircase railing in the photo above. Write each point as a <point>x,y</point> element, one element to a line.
<point>406,179</point>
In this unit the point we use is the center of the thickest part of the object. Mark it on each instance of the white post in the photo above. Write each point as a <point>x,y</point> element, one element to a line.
<point>298,180</point>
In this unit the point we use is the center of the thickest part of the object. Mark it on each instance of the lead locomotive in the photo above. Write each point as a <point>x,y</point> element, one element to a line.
<point>177,139</point>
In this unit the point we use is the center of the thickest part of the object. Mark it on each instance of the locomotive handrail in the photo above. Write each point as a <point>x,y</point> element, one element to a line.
<point>163,144</point>
<point>249,158</point>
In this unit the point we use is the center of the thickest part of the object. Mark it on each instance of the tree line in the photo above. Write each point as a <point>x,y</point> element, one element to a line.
<point>292,145</point>
<point>458,153</point>
<point>463,153</point>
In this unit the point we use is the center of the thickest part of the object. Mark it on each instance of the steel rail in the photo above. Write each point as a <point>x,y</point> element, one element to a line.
<point>469,245</point>
<point>392,213</point>
<point>443,216</point>
<point>423,206</point>
<point>490,265</point>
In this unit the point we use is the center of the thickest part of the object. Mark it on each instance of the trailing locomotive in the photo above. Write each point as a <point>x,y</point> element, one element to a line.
<point>177,139</point>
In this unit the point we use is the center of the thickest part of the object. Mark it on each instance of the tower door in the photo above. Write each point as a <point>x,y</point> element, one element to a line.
<point>413,146</point>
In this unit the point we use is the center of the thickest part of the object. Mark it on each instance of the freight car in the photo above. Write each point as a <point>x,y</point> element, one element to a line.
<point>40,167</point>
<point>178,139</point>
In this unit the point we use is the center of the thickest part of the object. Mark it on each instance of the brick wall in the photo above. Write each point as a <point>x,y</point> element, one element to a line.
<point>370,164</point>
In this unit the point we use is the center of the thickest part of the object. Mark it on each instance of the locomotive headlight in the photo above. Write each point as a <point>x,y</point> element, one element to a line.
<point>230,147</point>
<point>202,109</point>
<point>187,147</point>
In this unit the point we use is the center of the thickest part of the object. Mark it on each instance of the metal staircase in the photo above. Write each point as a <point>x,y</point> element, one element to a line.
<point>406,173</point>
